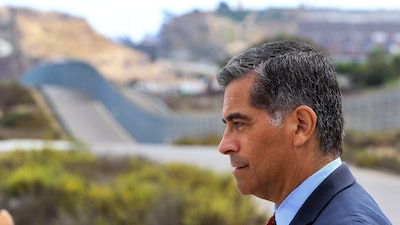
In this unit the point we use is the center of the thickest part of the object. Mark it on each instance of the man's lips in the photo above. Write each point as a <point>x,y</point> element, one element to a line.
<point>238,163</point>
<point>239,167</point>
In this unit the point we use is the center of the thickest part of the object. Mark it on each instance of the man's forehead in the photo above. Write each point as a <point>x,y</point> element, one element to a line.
<point>239,88</point>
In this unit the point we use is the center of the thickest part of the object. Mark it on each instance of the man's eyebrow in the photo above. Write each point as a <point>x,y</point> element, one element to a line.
<point>233,116</point>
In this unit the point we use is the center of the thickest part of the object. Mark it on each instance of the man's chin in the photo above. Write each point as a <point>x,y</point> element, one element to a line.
<point>244,190</point>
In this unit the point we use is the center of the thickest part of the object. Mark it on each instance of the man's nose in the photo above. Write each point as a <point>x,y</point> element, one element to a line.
<point>228,144</point>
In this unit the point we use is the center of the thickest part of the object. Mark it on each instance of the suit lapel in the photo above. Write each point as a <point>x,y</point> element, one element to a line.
<point>340,179</point>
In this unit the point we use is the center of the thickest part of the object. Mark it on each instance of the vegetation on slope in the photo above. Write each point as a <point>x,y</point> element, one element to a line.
<point>21,116</point>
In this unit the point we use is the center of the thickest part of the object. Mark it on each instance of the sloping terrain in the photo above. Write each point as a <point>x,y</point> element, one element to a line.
<point>53,36</point>
<point>38,37</point>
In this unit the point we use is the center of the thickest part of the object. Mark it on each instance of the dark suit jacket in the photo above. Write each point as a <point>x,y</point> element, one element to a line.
<point>339,199</point>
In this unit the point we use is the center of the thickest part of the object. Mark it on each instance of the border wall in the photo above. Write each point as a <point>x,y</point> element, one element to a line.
<point>144,126</point>
<point>373,111</point>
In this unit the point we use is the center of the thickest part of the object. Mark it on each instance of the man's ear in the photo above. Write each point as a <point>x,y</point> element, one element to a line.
<point>306,121</point>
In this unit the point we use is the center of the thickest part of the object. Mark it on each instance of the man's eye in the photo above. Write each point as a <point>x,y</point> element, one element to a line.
<point>238,124</point>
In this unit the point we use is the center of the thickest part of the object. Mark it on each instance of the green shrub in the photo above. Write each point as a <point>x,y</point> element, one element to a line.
<point>77,188</point>
<point>367,159</point>
<point>206,140</point>
<point>375,149</point>
<point>22,117</point>
<point>359,140</point>
<point>15,117</point>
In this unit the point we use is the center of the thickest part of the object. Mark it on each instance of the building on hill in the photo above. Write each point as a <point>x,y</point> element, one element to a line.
<point>350,35</point>
<point>353,41</point>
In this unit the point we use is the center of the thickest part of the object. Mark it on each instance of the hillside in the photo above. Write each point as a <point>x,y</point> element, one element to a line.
<point>49,36</point>
<point>347,35</point>
<point>214,36</point>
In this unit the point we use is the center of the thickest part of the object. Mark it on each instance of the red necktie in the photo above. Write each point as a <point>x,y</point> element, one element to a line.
<point>271,220</point>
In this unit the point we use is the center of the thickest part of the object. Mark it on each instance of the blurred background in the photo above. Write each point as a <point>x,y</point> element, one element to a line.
<point>110,111</point>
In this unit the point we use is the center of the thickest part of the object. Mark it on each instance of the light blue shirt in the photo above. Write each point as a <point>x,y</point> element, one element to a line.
<point>285,213</point>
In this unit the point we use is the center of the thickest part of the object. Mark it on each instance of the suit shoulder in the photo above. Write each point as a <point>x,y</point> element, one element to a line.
<point>353,205</point>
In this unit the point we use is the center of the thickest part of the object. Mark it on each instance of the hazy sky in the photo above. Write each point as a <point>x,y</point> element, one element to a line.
<point>115,18</point>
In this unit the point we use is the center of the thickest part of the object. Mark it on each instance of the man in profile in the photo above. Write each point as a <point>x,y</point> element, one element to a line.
<point>284,136</point>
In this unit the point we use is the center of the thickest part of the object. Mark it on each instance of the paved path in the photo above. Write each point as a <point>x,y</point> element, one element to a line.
<point>84,117</point>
